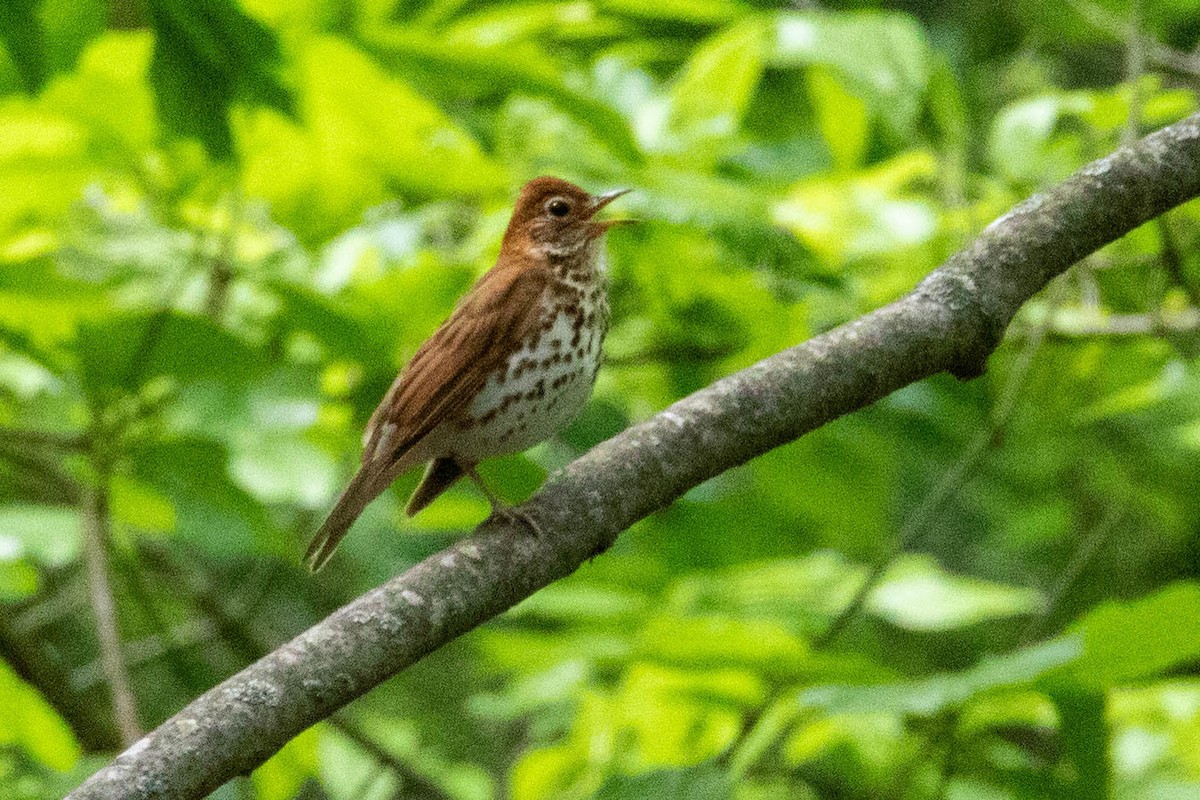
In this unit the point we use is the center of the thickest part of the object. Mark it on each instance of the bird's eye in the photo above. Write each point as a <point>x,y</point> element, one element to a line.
<point>558,207</point>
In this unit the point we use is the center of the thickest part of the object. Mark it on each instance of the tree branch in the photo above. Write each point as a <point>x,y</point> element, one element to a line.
<point>951,321</point>
<point>95,542</point>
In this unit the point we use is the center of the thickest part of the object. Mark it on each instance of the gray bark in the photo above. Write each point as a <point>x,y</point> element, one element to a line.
<point>951,321</point>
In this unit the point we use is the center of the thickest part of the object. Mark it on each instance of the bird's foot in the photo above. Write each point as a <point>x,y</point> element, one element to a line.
<point>515,515</point>
<point>503,510</point>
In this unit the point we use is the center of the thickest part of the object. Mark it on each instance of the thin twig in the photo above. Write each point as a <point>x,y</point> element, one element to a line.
<point>39,478</point>
<point>157,324</point>
<point>1093,540</point>
<point>1172,261</point>
<point>96,534</point>
<point>916,525</point>
<point>44,439</point>
<point>1135,68</point>
<point>222,271</point>
<point>1163,56</point>
<point>1121,326</point>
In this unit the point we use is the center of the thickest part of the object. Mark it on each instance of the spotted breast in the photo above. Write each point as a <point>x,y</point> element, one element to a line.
<point>544,385</point>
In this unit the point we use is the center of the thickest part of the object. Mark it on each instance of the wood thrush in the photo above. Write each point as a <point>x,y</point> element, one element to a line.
<point>512,366</point>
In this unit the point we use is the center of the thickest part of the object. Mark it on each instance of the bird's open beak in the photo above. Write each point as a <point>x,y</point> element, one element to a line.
<point>604,199</point>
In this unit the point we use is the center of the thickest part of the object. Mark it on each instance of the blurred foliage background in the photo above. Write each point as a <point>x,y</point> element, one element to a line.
<point>224,225</point>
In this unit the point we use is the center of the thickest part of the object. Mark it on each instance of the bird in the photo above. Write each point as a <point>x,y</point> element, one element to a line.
<point>512,365</point>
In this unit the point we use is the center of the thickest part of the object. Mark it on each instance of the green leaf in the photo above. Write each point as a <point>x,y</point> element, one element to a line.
<point>211,511</point>
<point>513,23</point>
<point>18,579</point>
<point>69,26</point>
<point>541,772</point>
<point>350,773</point>
<point>48,535</point>
<point>917,594</point>
<point>710,97</point>
<point>31,724</point>
<point>1123,642</point>
<point>676,717</point>
<point>332,322</point>
<point>879,210</point>
<point>207,58</point>
<point>137,504</point>
<point>108,97</point>
<point>40,310</point>
<point>577,602</point>
<point>125,351</point>
<point>842,117</point>
<point>695,12</point>
<point>702,782</point>
<point>44,164</point>
<point>430,770</point>
<point>713,642</point>
<point>508,68</point>
<point>884,58</point>
<point>21,32</point>
<point>930,696</point>
<point>1022,145</point>
<point>284,774</point>
<point>363,136</point>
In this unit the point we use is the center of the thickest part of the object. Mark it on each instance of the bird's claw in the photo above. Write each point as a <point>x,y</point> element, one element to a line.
<point>515,515</point>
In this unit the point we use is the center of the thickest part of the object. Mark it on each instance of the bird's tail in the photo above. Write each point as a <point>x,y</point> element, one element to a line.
<point>441,474</point>
<point>362,489</point>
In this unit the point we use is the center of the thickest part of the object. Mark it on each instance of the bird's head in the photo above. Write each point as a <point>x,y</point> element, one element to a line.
<point>556,217</point>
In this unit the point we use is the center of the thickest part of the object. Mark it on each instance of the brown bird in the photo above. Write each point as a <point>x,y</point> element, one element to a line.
<point>512,366</point>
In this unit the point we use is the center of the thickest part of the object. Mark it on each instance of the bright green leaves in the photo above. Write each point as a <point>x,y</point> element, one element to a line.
<point>655,719</point>
<point>1124,642</point>
<point>207,58</point>
<point>43,163</point>
<point>107,95</point>
<point>880,210</point>
<point>522,70</point>
<point>1034,141</point>
<point>283,776</point>
<point>32,725</point>
<point>86,122</point>
<point>710,96</point>
<point>43,37</point>
<point>716,646</point>
<point>919,596</point>
<point>361,137</point>
<point>883,58</point>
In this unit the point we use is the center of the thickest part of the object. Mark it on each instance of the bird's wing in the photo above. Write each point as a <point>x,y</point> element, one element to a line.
<point>502,309</point>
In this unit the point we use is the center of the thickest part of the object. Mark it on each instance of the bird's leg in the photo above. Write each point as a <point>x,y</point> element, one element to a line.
<point>499,507</point>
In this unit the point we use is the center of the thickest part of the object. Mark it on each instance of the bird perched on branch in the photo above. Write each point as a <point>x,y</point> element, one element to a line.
<point>512,366</point>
